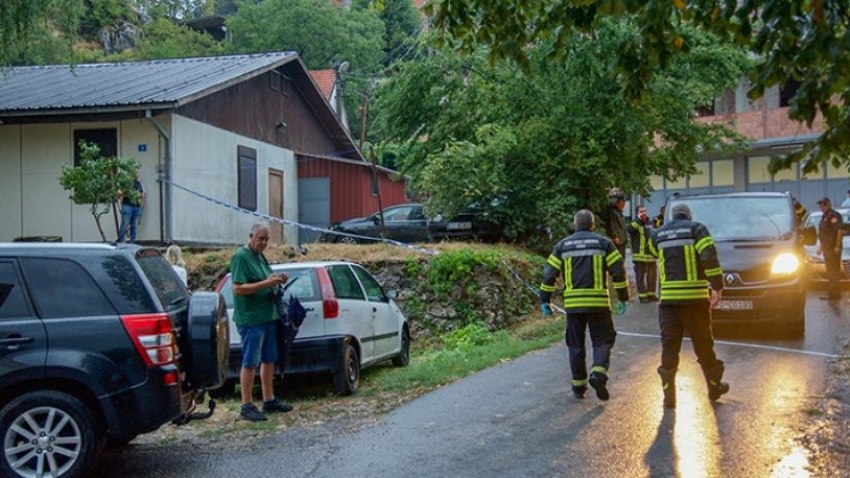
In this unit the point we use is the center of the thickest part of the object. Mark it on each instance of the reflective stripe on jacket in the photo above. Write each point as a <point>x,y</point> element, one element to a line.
<point>639,234</point>
<point>687,261</point>
<point>584,260</point>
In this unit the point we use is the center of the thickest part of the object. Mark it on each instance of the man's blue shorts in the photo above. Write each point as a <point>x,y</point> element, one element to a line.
<point>259,343</point>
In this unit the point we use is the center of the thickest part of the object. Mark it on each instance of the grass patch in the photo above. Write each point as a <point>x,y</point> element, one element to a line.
<point>434,364</point>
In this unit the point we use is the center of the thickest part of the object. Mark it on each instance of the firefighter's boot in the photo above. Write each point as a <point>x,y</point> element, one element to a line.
<point>713,378</point>
<point>598,381</point>
<point>668,384</point>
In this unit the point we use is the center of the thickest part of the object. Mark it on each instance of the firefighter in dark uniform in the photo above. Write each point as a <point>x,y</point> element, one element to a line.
<point>691,281</point>
<point>615,221</point>
<point>830,232</point>
<point>659,219</point>
<point>584,260</point>
<point>640,231</point>
<point>799,212</point>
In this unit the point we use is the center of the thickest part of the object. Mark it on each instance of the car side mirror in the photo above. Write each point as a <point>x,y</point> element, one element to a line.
<point>376,219</point>
<point>808,236</point>
<point>392,294</point>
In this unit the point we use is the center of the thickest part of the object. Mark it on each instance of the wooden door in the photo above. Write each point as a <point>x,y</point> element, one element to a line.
<point>276,205</point>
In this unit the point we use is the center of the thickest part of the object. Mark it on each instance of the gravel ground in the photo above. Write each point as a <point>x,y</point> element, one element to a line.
<point>828,441</point>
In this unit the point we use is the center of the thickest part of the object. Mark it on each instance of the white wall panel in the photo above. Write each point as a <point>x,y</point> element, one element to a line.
<point>10,182</point>
<point>46,209</point>
<point>205,162</point>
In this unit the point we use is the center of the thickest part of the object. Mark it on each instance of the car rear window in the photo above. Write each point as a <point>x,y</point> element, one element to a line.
<point>306,287</point>
<point>165,282</point>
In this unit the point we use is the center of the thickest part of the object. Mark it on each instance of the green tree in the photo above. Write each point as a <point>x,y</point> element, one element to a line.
<point>98,181</point>
<point>801,40</point>
<point>38,31</point>
<point>402,22</point>
<point>165,39</point>
<point>534,146</point>
<point>320,31</point>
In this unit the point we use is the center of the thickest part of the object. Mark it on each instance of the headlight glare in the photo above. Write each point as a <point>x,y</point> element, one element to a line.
<point>785,263</point>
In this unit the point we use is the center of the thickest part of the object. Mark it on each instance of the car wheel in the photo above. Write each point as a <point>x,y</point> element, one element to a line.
<point>227,389</point>
<point>347,377</point>
<point>403,357</point>
<point>48,433</point>
<point>347,240</point>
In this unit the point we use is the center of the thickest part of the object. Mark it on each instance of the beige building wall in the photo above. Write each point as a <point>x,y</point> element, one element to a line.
<point>10,182</point>
<point>33,203</point>
<point>205,162</point>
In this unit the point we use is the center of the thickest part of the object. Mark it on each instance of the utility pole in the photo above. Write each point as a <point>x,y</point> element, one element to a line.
<point>364,112</point>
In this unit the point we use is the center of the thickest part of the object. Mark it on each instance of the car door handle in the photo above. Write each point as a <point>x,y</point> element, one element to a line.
<point>14,342</point>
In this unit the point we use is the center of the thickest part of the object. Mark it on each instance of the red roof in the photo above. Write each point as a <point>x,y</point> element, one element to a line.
<point>324,80</point>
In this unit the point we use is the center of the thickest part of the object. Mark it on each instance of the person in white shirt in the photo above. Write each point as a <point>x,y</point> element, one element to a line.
<point>174,256</point>
<point>846,202</point>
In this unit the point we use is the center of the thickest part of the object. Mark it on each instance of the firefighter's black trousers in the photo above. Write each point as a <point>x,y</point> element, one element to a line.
<point>832,262</point>
<point>645,274</point>
<point>602,336</point>
<point>693,317</point>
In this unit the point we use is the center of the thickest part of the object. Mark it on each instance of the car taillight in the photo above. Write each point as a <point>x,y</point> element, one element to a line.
<point>330,306</point>
<point>153,337</point>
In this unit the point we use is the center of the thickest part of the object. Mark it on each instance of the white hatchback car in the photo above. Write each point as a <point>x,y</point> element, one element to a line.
<point>351,323</point>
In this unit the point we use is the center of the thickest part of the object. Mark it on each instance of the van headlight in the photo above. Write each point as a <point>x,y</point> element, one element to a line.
<point>785,263</point>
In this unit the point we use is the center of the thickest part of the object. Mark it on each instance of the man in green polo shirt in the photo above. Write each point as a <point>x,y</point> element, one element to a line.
<point>255,315</point>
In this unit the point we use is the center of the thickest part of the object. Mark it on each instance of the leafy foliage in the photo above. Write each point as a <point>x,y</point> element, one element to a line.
<point>805,41</point>
<point>98,181</point>
<point>165,39</point>
<point>37,31</point>
<point>540,144</point>
<point>473,334</point>
<point>321,32</point>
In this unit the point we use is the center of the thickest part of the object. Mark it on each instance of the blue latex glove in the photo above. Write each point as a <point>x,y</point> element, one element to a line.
<point>620,308</point>
<point>546,309</point>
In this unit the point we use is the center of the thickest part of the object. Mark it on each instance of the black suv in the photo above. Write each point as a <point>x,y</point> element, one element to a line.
<point>760,248</point>
<point>98,343</point>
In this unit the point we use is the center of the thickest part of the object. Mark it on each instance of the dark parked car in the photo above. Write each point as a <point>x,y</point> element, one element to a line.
<point>98,343</point>
<point>408,223</point>
<point>351,323</point>
<point>761,254</point>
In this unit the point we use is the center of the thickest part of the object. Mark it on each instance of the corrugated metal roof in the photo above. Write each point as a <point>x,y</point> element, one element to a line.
<point>139,83</point>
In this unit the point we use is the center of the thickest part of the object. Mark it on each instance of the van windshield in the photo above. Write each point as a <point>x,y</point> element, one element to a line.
<point>742,218</point>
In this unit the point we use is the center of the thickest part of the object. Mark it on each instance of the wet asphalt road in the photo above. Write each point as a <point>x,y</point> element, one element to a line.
<point>520,420</point>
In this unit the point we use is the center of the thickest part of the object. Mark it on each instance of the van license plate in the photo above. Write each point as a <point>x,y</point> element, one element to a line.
<point>735,305</point>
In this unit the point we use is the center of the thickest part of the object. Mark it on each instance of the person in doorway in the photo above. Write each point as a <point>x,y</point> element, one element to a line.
<point>584,261</point>
<point>691,283</point>
<point>174,256</point>
<point>640,231</point>
<point>255,286</point>
<point>830,235</point>
<point>131,210</point>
